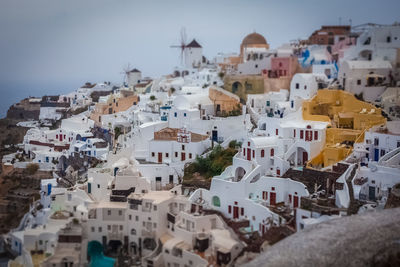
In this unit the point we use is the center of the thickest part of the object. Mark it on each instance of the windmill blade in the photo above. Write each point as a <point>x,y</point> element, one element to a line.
<point>183,37</point>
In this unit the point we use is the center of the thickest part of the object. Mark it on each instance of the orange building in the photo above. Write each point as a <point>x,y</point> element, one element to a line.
<point>349,119</point>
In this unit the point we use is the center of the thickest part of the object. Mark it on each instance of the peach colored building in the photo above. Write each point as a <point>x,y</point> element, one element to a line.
<point>115,103</point>
<point>224,102</point>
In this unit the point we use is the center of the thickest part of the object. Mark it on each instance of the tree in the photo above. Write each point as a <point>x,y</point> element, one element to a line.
<point>152,97</point>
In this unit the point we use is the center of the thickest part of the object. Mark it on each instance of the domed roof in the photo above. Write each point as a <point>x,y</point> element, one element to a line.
<point>254,39</point>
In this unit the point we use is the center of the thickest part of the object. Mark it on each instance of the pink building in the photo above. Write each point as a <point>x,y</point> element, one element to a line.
<point>281,67</point>
<point>341,46</point>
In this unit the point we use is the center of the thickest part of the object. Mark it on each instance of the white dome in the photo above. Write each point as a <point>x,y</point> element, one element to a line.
<point>181,102</point>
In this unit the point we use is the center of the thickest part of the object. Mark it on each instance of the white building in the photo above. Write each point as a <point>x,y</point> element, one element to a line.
<point>366,77</point>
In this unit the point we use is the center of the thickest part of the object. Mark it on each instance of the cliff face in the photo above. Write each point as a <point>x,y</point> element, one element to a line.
<point>394,198</point>
<point>24,110</point>
<point>370,239</point>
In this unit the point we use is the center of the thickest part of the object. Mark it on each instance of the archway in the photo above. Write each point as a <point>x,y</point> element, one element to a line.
<point>366,54</point>
<point>236,87</point>
<point>177,74</point>
<point>302,156</point>
<point>239,173</point>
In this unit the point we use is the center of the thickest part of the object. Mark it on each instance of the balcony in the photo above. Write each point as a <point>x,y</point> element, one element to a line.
<point>164,118</point>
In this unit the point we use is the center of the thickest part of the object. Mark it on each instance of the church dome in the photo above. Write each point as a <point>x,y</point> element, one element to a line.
<point>254,39</point>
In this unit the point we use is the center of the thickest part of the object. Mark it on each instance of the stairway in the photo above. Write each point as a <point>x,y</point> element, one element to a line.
<point>354,203</point>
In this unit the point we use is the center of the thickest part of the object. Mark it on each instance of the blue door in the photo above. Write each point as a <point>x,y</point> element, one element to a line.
<point>372,193</point>
<point>376,154</point>
<point>215,136</point>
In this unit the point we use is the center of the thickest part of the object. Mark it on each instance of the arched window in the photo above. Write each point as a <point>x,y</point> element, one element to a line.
<point>262,153</point>
<point>133,231</point>
<point>272,152</point>
<point>216,201</point>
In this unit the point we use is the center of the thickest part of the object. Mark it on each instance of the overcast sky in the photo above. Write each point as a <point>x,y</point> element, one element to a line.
<point>53,46</point>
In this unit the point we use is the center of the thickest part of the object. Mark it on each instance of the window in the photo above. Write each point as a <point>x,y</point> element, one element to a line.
<point>301,134</point>
<point>272,152</point>
<point>398,143</point>
<point>155,207</point>
<point>229,209</point>
<point>92,229</point>
<point>190,155</point>
<point>154,225</point>
<point>121,227</point>
<point>262,153</point>
<point>184,114</point>
<point>388,39</point>
<point>358,82</point>
<point>376,141</point>
<point>176,114</point>
<point>130,217</point>
<point>137,218</point>
<point>166,155</point>
<point>305,87</point>
<point>120,212</point>
<point>100,229</point>
<point>292,104</point>
<point>133,231</point>
<point>268,103</point>
<point>254,154</point>
<point>294,133</point>
<point>176,154</point>
<point>297,86</point>
<point>242,211</point>
<point>152,154</point>
<point>276,131</point>
<point>109,227</point>
<point>216,202</point>
<point>315,135</point>
<point>108,212</point>
<point>183,147</point>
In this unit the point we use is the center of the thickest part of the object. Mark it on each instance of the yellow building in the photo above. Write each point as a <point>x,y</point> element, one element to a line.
<point>349,119</point>
<point>115,103</point>
<point>241,85</point>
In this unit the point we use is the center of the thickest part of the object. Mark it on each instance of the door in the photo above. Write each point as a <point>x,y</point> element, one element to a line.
<point>295,202</point>
<point>158,183</point>
<point>372,193</point>
<point>305,157</point>
<point>61,137</point>
<point>104,241</point>
<point>183,156</point>
<point>248,154</point>
<point>272,198</point>
<point>159,157</point>
<point>215,135</point>
<point>376,154</point>
<point>235,212</point>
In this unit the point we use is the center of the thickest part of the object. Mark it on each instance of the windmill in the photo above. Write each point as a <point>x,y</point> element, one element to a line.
<point>182,46</point>
<point>125,72</point>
